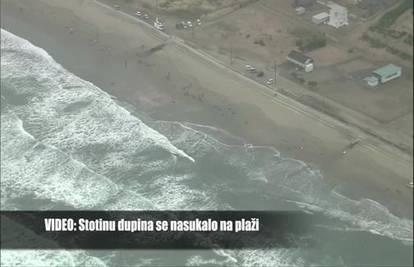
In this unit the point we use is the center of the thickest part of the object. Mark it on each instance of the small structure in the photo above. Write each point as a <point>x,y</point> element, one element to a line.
<point>301,60</point>
<point>300,10</point>
<point>338,15</point>
<point>387,73</point>
<point>320,18</point>
<point>383,75</point>
<point>371,81</point>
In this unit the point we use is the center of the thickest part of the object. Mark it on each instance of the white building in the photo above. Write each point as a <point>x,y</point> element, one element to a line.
<point>301,60</point>
<point>300,10</point>
<point>384,74</point>
<point>338,15</point>
<point>320,18</point>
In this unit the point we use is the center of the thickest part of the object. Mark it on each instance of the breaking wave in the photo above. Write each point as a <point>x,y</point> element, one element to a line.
<point>66,143</point>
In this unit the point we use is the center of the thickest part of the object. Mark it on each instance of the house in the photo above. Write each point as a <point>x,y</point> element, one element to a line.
<point>338,15</point>
<point>300,10</point>
<point>383,75</point>
<point>387,73</point>
<point>320,18</point>
<point>301,60</point>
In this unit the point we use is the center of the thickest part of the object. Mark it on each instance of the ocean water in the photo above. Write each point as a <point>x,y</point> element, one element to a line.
<point>67,144</point>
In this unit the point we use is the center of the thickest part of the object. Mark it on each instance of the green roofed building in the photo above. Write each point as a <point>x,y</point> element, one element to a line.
<point>387,73</point>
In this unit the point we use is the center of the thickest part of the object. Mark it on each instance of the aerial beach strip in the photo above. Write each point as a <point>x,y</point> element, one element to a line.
<point>110,50</point>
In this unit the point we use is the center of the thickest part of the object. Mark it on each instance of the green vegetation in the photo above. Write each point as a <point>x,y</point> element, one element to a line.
<point>260,42</point>
<point>312,84</point>
<point>309,40</point>
<point>392,50</point>
<point>373,42</point>
<point>409,39</point>
<point>391,16</point>
<point>382,29</point>
<point>396,34</point>
<point>298,77</point>
<point>405,56</point>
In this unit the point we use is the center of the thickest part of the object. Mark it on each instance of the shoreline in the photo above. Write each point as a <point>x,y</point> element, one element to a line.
<point>176,85</point>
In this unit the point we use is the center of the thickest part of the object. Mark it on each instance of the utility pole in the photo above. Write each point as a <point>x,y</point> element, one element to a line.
<point>275,74</point>
<point>192,30</point>
<point>231,52</point>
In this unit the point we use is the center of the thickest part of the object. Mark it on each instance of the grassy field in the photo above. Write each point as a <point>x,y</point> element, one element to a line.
<point>391,16</point>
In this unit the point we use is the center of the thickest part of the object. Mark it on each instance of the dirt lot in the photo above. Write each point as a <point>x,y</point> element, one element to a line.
<point>330,55</point>
<point>343,83</point>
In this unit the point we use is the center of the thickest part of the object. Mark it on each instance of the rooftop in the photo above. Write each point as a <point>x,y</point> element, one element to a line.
<point>295,55</point>
<point>387,70</point>
<point>322,15</point>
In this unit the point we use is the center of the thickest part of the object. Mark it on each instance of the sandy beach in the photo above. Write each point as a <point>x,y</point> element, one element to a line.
<point>169,81</point>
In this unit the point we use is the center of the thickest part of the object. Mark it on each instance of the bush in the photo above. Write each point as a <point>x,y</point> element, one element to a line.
<point>396,34</point>
<point>260,42</point>
<point>312,84</point>
<point>391,16</point>
<point>309,40</point>
<point>301,80</point>
<point>375,43</point>
<point>392,50</point>
<point>405,56</point>
<point>409,39</point>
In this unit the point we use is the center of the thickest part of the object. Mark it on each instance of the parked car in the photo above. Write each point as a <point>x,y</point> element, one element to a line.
<point>250,68</point>
<point>138,13</point>
<point>269,81</point>
<point>159,25</point>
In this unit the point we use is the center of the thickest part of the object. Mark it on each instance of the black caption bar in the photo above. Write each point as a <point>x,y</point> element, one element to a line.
<point>154,229</point>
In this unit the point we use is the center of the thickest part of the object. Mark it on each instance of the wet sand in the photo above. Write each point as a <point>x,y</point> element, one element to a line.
<point>171,82</point>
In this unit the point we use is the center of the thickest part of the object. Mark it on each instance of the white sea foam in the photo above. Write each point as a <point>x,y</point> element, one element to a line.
<point>47,172</point>
<point>45,146</point>
<point>171,193</point>
<point>364,215</point>
<point>297,181</point>
<point>58,258</point>
<point>109,123</point>
<point>97,121</point>
<point>251,257</point>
